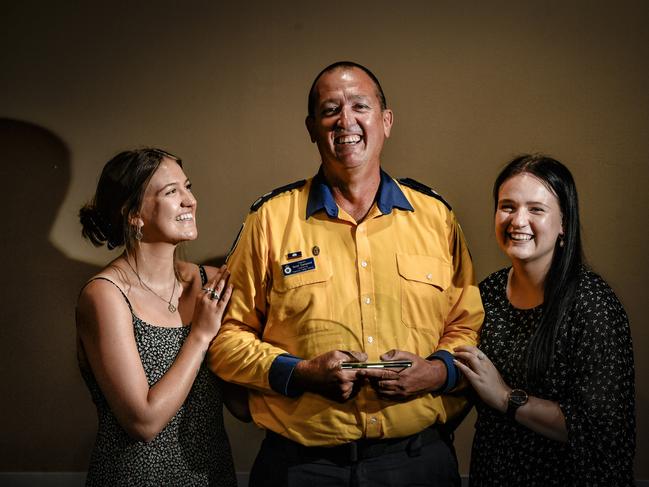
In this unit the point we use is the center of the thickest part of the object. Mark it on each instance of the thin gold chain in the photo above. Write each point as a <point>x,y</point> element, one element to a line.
<point>170,307</point>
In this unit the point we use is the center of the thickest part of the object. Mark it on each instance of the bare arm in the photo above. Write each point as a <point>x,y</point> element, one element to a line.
<point>540,415</point>
<point>545,417</point>
<point>105,328</point>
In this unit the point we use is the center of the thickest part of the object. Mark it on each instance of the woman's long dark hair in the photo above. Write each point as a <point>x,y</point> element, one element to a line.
<point>560,285</point>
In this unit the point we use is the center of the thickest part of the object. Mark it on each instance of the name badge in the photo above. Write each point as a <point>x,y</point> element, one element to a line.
<point>298,266</point>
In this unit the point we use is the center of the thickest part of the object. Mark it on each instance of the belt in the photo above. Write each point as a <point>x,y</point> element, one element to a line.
<point>355,450</point>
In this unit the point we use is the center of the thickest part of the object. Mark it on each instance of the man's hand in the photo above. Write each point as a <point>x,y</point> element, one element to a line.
<point>323,375</point>
<point>423,377</point>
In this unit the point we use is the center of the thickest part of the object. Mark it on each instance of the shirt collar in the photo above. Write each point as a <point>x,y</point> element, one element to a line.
<point>389,196</point>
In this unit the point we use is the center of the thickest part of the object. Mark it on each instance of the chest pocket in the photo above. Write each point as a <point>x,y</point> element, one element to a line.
<point>300,303</point>
<point>424,301</point>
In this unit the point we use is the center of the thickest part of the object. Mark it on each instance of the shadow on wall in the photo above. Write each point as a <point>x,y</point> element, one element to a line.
<point>49,420</point>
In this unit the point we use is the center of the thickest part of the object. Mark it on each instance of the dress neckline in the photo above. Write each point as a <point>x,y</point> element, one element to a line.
<point>505,277</point>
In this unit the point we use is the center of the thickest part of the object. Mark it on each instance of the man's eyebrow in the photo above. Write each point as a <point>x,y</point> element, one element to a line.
<point>351,97</point>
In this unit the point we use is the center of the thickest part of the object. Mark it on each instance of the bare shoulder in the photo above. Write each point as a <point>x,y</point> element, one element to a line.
<point>193,275</point>
<point>109,281</point>
<point>103,296</point>
<point>188,272</point>
<point>211,271</point>
<point>190,277</point>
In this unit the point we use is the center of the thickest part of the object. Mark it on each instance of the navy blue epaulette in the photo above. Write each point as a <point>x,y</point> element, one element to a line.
<point>271,194</point>
<point>422,188</point>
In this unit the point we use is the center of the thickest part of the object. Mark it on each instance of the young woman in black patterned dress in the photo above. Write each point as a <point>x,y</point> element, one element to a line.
<point>144,324</point>
<point>554,372</point>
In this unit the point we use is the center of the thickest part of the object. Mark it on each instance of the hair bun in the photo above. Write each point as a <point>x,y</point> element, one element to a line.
<point>96,228</point>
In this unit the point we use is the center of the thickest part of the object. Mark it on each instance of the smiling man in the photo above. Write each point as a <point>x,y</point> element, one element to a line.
<point>350,267</point>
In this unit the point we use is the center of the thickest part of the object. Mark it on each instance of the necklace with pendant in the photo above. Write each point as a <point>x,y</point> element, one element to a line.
<point>170,307</point>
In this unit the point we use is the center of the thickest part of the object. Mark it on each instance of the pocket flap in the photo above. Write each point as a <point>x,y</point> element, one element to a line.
<point>284,281</point>
<point>425,269</point>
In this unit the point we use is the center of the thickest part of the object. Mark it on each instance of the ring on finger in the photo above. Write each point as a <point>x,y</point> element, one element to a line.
<point>214,295</point>
<point>208,289</point>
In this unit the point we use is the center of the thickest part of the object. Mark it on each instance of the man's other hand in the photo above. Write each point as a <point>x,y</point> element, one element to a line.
<point>323,375</point>
<point>399,385</point>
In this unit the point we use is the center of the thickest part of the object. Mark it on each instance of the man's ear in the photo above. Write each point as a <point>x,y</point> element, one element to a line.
<point>310,122</point>
<point>388,118</point>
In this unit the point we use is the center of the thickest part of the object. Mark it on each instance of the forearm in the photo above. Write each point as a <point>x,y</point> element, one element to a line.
<point>540,415</point>
<point>164,399</point>
<point>466,314</point>
<point>544,417</point>
<point>464,320</point>
<point>237,355</point>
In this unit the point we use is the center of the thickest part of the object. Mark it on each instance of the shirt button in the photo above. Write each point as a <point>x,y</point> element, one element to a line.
<point>373,420</point>
<point>363,263</point>
<point>370,339</point>
<point>368,300</point>
<point>429,276</point>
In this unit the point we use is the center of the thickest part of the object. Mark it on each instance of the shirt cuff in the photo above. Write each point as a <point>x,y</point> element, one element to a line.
<point>452,372</point>
<point>281,371</point>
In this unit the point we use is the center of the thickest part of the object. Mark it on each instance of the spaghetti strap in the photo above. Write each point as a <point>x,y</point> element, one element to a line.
<point>118,288</point>
<point>201,269</point>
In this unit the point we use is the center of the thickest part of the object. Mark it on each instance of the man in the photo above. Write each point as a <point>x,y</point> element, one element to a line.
<point>349,266</point>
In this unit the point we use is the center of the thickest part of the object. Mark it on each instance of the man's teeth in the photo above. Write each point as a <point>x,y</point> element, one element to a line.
<point>348,139</point>
<point>186,216</point>
<point>520,236</point>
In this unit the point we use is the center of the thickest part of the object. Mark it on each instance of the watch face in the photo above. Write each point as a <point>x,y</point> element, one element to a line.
<point>518,397</point>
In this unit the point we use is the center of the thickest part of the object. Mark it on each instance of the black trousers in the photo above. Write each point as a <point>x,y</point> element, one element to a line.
<point>425,459</point>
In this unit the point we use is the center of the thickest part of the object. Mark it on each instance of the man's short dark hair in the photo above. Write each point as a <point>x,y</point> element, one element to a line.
<point>345,65</point>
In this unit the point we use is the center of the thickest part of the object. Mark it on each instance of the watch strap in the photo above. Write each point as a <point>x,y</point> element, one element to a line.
<point>517,398</point>
<point>511,410</point>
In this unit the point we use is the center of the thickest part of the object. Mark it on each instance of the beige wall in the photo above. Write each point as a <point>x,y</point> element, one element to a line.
<point>225,88</point>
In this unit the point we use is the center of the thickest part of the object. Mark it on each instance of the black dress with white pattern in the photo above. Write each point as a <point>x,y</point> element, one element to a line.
<point>592,379</point>
<point>192,450</point>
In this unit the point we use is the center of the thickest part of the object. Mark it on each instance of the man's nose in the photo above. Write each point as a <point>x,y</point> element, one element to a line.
<point>346,118</point>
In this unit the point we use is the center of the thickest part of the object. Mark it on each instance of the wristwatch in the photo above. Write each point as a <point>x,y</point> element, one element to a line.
<point>517,398</point>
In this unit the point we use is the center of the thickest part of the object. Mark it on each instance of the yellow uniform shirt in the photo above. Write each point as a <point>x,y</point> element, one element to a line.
<point>308,279</point>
